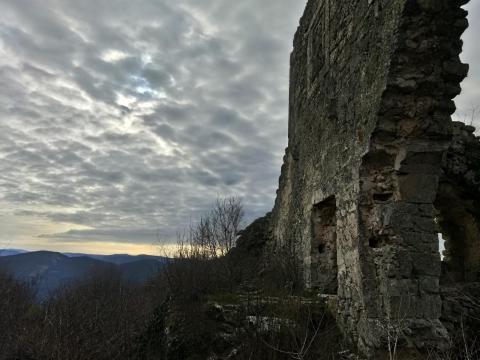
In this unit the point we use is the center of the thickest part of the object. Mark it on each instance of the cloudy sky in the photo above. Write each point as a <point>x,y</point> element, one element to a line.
<point>121,121</point>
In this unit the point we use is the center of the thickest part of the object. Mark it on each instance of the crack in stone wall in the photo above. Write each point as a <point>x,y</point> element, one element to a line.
<point>371,89</point>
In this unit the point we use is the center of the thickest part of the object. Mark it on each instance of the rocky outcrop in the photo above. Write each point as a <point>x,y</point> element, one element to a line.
<point>254,237</point>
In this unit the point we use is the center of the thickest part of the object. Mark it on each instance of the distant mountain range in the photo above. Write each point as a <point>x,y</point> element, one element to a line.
<point>8,252</point>
<point>118,259</point>
<point>47,270</point>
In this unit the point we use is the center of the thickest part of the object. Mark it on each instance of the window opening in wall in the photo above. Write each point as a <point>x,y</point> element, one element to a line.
<point>323,269</point>
<point>451,235</point>
<point>458,236</point>
<point>441,246</point>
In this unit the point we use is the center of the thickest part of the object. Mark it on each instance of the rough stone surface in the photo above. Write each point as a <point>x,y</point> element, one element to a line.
<point>458,206</point>
<point>373,162</point>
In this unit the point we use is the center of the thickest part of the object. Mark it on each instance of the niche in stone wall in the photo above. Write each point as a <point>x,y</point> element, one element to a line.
<point>457,219</point>
<point>323,252</point>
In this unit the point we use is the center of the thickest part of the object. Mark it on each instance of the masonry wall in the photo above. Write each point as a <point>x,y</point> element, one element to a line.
<point>370,101</point>
<point>458,207</point>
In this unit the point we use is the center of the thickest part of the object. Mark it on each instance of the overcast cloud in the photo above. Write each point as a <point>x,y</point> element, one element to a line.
<point>120,121</point>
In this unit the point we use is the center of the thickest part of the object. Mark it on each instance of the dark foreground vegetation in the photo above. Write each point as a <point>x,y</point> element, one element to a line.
<point>218,299</point>
<point>98,318</point>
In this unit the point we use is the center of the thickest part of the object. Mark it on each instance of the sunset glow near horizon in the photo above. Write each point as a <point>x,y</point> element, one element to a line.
<point>123,121</point>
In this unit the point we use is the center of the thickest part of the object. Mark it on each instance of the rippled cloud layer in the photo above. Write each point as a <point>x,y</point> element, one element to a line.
<point>120,121</point>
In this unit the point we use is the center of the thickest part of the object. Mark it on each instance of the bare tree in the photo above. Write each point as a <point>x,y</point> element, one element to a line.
<point>200,264</point>
<point>226,217</point>
<point>215,233</point>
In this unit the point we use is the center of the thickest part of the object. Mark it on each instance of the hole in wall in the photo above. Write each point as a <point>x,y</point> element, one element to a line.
<point>373,243</point>
<point>321,248</point>
<point>382,197</point>
<point>441,246</point>
<point>376,242</point>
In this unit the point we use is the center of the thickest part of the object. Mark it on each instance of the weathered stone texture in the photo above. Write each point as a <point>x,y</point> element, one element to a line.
<point>371,139</point>
<point>458,207</point>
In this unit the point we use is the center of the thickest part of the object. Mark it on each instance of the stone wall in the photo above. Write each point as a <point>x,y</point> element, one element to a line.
<point>458,207</point>
<point>369,129</point>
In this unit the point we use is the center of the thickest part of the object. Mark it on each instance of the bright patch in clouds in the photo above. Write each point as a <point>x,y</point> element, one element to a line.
<point>113,56</point>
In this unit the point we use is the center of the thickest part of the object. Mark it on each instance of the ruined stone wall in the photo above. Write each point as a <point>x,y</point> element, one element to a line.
<point>338,73</point>
<point>400,174</point>
<point>369,128</point>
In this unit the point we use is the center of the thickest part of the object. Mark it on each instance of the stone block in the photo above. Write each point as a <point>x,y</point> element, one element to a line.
<point>418,188</point>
